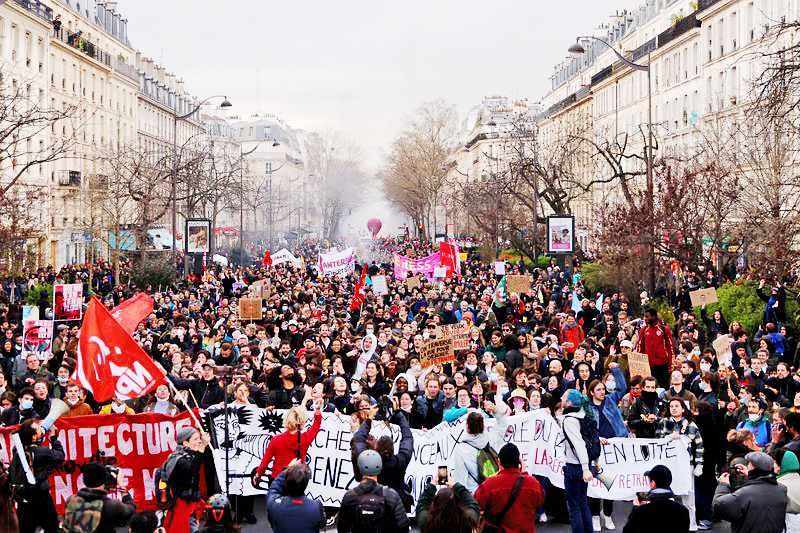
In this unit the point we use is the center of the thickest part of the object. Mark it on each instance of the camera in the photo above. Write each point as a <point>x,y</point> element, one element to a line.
<point>385,410</point>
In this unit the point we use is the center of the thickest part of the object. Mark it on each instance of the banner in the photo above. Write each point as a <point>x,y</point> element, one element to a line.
<point>337,264</point>
<point>37,337</point>
<point>136,444</point>
<point>403,265</point>
<point>536,434</point>
<point>67,301</point>
<point>285,256</point>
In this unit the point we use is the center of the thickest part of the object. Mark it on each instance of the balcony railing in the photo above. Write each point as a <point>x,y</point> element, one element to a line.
<point>37,8</point>
<point>126,70</point>
<point>78,42</point>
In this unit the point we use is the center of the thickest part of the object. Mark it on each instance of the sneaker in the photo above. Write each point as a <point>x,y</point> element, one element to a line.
<point>609,523</point>
<point>596,524</point>
<point>543,518</point>
<point>704,525</point>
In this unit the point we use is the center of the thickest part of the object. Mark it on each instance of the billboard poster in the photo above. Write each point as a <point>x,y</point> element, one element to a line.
<point>198,236</point>
<point>561,234</point>
<point>67,301</point>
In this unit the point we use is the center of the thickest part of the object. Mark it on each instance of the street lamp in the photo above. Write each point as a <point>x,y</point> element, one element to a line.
<point>575,51</point>
<point>175,119</point>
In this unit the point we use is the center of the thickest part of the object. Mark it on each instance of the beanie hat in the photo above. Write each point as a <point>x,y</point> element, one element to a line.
<point>789,463</point>
<point>185,434</point>
<point>94,475</point>
<point>509,456</point>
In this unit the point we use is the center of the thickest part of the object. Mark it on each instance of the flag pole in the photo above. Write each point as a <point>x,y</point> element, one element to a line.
<point>191,412</point>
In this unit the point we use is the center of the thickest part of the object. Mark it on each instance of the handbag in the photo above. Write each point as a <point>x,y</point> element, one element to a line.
<point>491,524</point>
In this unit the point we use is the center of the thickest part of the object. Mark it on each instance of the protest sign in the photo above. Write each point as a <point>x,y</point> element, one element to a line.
<point>136,444</point>
<point>537,435</point>
<point>437,352</point>
<point>250,308</point>
<point>260,289</point>
<point>337,264</point>
<point>30,312</point>
<point>521,284</point>
<point>413,282</point>
<point>379,286</point>
<point>37,337</point>
<point>404,265</point>
<point>702,297</point>
<point>459,334</point>
<point>67,301</point>
<point>500,268</point>
<point>638,364</point>
<point>285,256</point>
<point>439,272</point>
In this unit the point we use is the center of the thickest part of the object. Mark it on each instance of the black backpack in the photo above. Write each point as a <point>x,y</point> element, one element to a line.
<point>164,494</point>
<point>370,509</point>
<point>591,437</point>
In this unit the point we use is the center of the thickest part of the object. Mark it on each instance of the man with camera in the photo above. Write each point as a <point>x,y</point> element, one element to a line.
<point>91,509</point>
<point>393,466</point>
<point>658,510</point>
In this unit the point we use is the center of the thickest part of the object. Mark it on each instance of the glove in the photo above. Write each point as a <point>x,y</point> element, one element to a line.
<point>698,470</point>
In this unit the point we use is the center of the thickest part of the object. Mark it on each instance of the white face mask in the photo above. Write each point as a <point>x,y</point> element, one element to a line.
<point>502,391</point>
<point>705,367</point>
<point>471,368</point>
<point>354,387</point>
<point>611,386</point>
<point>754,418</point>
<point>118,408</point>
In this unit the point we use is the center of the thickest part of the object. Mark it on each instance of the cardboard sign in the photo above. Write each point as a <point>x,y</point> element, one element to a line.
<point>379,286</point>
<point>638,364</point>
<point>413,282</point>
<point>459,334</point>
<point>521,284</point>
<point>440,272</point>
<point>261,289</point>
<point>437,352</point>
<point>500,268</point>
<point>703,296</point>
<point>250,308</point>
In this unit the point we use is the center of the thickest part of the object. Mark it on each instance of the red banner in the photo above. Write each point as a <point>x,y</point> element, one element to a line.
<point>136,444</point>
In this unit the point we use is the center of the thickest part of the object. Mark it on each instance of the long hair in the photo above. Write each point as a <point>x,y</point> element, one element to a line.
<point>448,513</point>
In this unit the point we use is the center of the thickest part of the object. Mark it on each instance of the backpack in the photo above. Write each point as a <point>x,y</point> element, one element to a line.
<point>21,489</point>
<point>370,508</point>
<point>81,516</point>
<point>165,496</point>
<point>591,438</point>
<point>488,463</point>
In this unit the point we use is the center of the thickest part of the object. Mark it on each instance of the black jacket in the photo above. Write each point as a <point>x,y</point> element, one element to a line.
<point>207,392</point>
<point>758,506</point>
<point>184,478</point>
<point>115,513</point>
<point>661,514</point>
<point>395,518</point>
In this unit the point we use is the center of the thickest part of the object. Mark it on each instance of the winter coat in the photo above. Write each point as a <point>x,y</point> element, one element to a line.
<point>790,479</point>
<point>296,514</point>
<point>661,515</point>
<point>115,513</point>
<point>461,494</point>
<point>574,448</point>
<point>464,463</point>
<point>759,506</point>
<point>395,518</point>
<point>493,494</point>
<point>609,408</point>
<point>669,426</point>
<point>760,429</point>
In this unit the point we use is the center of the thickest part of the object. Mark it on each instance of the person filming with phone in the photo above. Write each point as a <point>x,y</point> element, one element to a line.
<point>447,506</point>
<point>658,510</point>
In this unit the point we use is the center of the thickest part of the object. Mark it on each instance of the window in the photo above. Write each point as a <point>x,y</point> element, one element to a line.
<point>721,39</point>
<point>667,72</point>
<point>749,22</point>
<point>734,32</point>
<point>721,89</point>
<point>709,95</point>
<point>14,38</point>
<point>696,58</point>
<point>734,85</point>
<point>685,63</point>
<point>710,34</point>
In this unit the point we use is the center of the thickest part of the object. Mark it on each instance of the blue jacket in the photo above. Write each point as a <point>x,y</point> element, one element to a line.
<point>761,429</point>
<point>610,407</point>
<point>421,404</point>
<point>295,515</point>
<point>452,414</point>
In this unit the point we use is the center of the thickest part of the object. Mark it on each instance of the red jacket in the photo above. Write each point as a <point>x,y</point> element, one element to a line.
<point>283,448</point>
<point>574,335</point>
<point>656,341</point>
<point>492,495</point>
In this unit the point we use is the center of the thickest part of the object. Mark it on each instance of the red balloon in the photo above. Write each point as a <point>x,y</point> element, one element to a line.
<point>374,225</point>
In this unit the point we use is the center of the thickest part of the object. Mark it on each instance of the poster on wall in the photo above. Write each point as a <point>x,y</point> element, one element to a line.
<point>37,337</point>
<point>561,234</point>
<point>198,231</point>
<point>67,301</point>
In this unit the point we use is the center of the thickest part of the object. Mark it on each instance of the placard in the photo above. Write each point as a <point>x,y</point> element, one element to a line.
<point>379,286</point>
<point>638,364</point>
<point>67,301</point>
<point>437,352</point>
<point>500,268</point>
<point>37,337</point>
<point>521,284</point>
<point>439,272</point>
<point>260,289</point>
<point>561,234</point>
<point>30,312</point>
<point>413,282</point>
<point>703,296</point>
<point>198,240</point>
<point>459,334</point>
<point>250,309</point>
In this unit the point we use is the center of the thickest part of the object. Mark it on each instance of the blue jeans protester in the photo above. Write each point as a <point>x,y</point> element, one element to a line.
<point>580,518</point>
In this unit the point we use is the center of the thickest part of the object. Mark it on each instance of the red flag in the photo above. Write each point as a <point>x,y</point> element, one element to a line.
<point>109,362</point>
<point>448,258</point>
<point>267,261</point>
<point>132,311</point>
<point>360,293</point>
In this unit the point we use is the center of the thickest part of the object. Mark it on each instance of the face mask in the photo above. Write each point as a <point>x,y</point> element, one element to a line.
<point>611,386</point>
<point>354,387</point>
<point>754,418</point>
<point>704,386</point>
<point>118,408</point>
<point>370,331</point>
<point>705,368</point>
<point>471,368</point>
<point>696,353</point>
<point>63,379</point>
<point>26,404</point>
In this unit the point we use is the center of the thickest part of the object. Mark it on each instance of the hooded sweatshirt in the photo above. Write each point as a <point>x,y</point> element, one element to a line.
<point>790,478</point>
<point>464,463</point>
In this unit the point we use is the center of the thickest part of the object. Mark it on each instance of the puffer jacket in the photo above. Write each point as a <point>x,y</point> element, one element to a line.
<point>464,463</point>
<point>759,506</point>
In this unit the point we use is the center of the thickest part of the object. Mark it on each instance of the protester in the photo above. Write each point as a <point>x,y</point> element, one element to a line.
<point>659,512</point>
<point>509,500</point>
<point>182,474</point>
<point>577,472</point>
<point>291,444</point>
<point>466,454</point>
<point>450,508</point>
<point>789,477</point>
<point>290,510</point>
<point>92,507</point>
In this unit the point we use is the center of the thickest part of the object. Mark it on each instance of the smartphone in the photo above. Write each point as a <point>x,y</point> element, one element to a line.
<point>442,476</point>
<point>643,496</point>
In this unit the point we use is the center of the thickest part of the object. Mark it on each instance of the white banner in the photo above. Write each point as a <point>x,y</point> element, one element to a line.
<point>538,436</point>
<point>285,256</point>
<point>338,264</point>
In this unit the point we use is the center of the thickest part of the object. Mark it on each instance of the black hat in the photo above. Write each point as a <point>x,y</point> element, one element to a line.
<point>94,475</point>
<point>509,456</point>
<point>661,476</point>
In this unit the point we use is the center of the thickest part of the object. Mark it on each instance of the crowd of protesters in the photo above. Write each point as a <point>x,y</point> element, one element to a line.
<point>729,391</point>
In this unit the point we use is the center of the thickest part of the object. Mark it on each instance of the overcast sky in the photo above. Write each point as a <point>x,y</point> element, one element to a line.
<point>359,67</point>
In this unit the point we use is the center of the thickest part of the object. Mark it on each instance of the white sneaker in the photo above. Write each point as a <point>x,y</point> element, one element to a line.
<point>543,518</point>
<point>596,524</point>
<point>610,523</point>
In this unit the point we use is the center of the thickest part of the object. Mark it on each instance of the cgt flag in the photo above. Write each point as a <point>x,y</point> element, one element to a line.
<point>132,311</point>
<point>360,294</point>
<point>109,361</point>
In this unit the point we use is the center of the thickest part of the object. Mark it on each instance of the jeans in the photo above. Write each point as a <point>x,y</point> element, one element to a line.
<point>704,487</point>
<point>580,518</point>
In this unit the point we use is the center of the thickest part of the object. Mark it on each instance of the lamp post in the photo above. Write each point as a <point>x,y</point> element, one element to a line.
<point>175,119</point>
<point>576,50</point>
